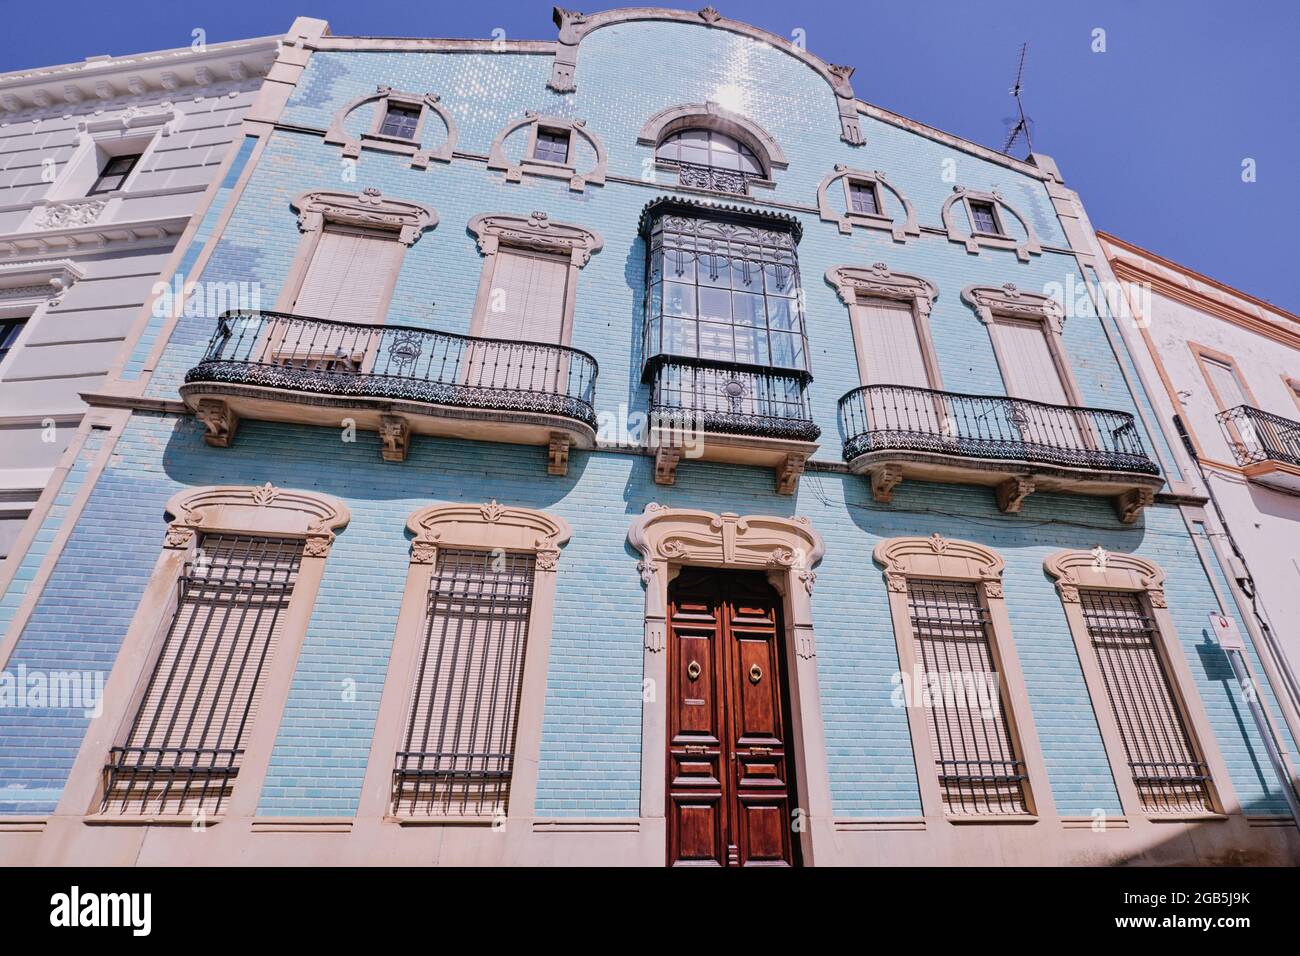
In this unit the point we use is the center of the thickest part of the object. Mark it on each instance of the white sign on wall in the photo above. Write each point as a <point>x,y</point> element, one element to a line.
<point>1225,631</point>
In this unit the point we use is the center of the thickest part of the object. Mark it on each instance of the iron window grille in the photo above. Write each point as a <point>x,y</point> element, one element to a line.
<point>1260,436</point>
<point>400,122</point>
<point>980,771</point>
<point>984,218</point>
<point>114,174</point>
<point>552,146</point>
<point>187,738</point>
<point>1167,769</point>
<point>9,332</point>
<point>457,756</point>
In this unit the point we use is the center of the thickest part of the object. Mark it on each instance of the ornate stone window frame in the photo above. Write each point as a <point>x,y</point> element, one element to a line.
<point>1007,301</point>
<point>787,550</point>
<point>574,27</point>
<point>482,527</point>
<point>898,227</point>
<point>577,128</point>
<point>712,116</point>
<point>973,241</point>
<point>855,283</point>
<point>405,219</point>
<point>952,559</point>
<point>1117,571</point>
<point>538,233</point>
<point>373,138</point>
<point>238,509</point>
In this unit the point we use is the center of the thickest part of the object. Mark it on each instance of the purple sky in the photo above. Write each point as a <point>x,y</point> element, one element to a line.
<point>1151,132</point>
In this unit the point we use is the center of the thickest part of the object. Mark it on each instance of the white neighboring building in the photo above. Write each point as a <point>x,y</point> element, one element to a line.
<point>1228,365</point>
<point>102,164</point>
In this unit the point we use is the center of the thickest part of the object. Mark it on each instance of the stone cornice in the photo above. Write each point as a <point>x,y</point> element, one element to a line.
<point>91,238</point>
<point>1275,323</point>
<point>105,78</point>
<point>536,232</point>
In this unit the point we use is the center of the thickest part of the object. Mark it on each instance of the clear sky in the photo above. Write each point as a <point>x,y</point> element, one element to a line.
<point>1152,132</point>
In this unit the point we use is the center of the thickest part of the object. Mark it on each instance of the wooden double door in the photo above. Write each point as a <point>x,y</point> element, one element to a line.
<point>731,787</point>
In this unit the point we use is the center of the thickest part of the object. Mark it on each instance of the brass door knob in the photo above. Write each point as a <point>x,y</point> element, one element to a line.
<point>693,670</point>
<point>755,674</point>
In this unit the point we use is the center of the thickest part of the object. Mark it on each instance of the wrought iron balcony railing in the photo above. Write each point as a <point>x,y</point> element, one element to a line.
<point>732,399</point>
<point>1257,436</point>
<point>880,417</point>
<point>713,178</point>
<point>319,356</point>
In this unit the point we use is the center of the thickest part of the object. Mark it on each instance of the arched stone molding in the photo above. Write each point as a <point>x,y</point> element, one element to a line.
<point>264,510</point>
<point>939,557</point>
<point>429,104</point>
<point>490,527</point>
<point>1118,571</point>
<point>537,232</point>
<point>989,302</point>
<point>576,128</point>
<point>787,549</point>
<point>877,280</point>
<point>248,510</point>
<point>575,26</point>
<point>959,231</point>
<point>900,227</point>
<point>366,208</point>
<point>1099,568</point>
<point>956,560</point>
<point>712,116</point>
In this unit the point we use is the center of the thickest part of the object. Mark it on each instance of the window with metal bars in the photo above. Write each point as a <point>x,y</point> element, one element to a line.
<point>1167,769</point>
<point>980,771</point>
<point>187,738</point>
<point>457,751</point>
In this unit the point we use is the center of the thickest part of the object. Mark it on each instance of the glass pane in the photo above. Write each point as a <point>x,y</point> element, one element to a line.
<point>695,154</point>
<point>787,350</point>
<point>679,299</point>
<point>780,278</point>
<point>781,315</point>
<point>715,303</point>
<point>679,336</point>
<point>724,144</point>
<point>715,270</point>
<point>749,163</point>
<point>679,265</point>
<point>656,299</point>
<point>715,341</point>
<point>746,275</point>
<point>653,345</point>
<point>748,309</point>
<point>751,345</point>
<point>697,137</point>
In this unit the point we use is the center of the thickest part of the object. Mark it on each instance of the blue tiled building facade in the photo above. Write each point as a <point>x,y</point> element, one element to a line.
<point>604,780</point>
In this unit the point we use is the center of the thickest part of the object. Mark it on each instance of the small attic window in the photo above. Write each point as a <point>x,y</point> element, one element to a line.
<point>401,121</point>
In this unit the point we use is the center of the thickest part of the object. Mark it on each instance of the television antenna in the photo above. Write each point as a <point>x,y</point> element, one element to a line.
<point>1022,126</point>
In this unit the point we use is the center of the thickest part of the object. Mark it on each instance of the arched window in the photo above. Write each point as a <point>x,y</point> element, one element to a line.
<point>708,159</point>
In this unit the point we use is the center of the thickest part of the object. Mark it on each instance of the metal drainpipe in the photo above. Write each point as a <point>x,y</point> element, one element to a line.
<point>1238,660</point>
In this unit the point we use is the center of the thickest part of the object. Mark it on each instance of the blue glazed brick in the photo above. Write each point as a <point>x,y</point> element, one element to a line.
<point>590,760</point>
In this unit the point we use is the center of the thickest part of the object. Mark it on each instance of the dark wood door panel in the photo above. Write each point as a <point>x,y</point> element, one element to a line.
<point>730,783</point>
<point>695,830</point>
